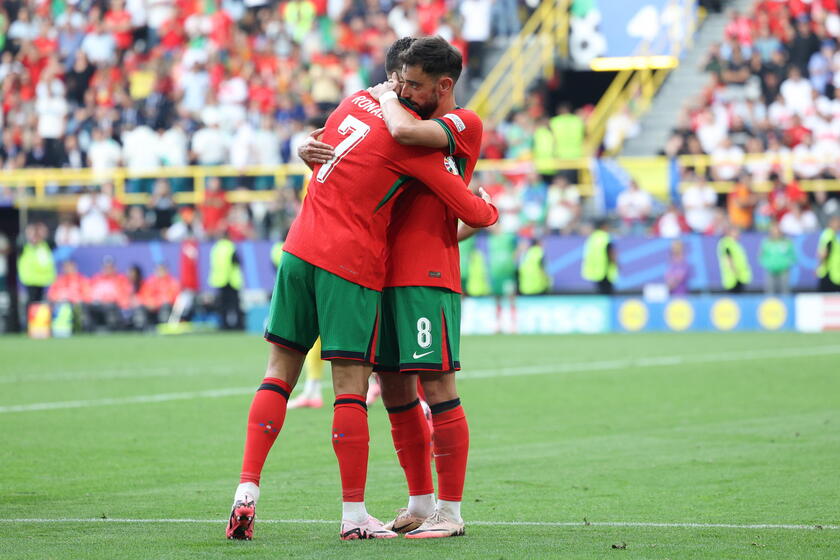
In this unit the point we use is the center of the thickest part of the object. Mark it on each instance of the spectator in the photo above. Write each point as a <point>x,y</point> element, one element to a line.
<point>93,208</point>
<point>215,208</point>
<point>162,206</point>
<point>671,224</point>
<point>543,150</point>
<point>805,43</point>
<point>741,203</point>
<point>210,144</point>
<point>735,270</point>
<point>104,154</point>
<point>141,155</point>
<point>776,257</point>
<point>67,234</point>
<point>99,45</point>
<point>568,131</point>
<point>798,221</point>
<point>52,110</point>
<point>118,23</point>
<point>796,91</point>
<point>136,225</point>
<point>72,157</point>
<point>727,160</point>
<point>807,161</point>
<point>699,201</point>
<point>634,207</point>
<point>563,201</point>
<point>678,274</point>
<point>110,294</point>
<point>158,294</point>
<point>36,265</point>
<point>226,277</point>
<point>239,226</point>
<point>476,32</point>
<point>187,227</point>
<point>73,288</point>
<point>828,256</point>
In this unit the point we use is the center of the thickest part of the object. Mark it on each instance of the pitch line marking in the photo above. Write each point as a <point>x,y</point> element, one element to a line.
<point>580,367</point>
<point>628,524</point>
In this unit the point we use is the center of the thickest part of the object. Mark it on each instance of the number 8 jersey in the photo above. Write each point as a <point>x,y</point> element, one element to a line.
<point>342,224</point>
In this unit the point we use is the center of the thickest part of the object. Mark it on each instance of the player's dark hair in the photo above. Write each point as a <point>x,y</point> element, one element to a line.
<point>435,56</point>
<point>393,58</point>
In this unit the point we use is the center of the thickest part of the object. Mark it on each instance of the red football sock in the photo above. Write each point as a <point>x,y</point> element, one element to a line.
<point>351,442</point>
<point>451,446</point>
<point>412,440</point>
<point>265,419</point>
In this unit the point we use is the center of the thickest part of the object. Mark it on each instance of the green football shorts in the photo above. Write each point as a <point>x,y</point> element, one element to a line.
<point>421,330</point>
<point>309,301</point>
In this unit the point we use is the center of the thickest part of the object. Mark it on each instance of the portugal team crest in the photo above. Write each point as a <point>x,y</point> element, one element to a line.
<point>450,165</point>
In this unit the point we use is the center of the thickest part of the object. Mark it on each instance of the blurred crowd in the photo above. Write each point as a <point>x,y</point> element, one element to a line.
<point>152,83</point>
<point>771,96</point>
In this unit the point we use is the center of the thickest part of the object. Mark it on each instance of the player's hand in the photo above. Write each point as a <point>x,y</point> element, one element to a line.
<point>313,151</point>
<point>486,197</point>
<point>391,85</point>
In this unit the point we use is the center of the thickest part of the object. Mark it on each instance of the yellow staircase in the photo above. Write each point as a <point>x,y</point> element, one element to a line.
<point>530,54</point>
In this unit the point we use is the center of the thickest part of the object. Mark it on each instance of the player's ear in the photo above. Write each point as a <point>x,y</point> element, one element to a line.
<point>445,84</point>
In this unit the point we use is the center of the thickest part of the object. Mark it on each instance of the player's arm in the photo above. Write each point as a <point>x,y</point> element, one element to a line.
<point>465,231</point>
<point>429,169</point>
<point>405,128</point>
<point>313,152</point>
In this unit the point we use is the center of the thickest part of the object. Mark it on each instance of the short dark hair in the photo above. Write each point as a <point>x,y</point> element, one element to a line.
<point>393,58</point>
<point>435,56</point>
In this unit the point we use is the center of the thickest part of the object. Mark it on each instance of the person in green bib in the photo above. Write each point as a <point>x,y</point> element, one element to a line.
<point>568,130</point>
<point>533,279</point>
<point>600,264</point>
<point>36,265</point>
<point>828,256</point>
<point>735,271</point>
<point>544,150</point>
<point>776,257</point>
<point>501,247</point>
<point>226,276</point>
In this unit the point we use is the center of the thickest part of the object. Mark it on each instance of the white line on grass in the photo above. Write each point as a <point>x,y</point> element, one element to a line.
<point>629,524</point>
<point>580,367</point>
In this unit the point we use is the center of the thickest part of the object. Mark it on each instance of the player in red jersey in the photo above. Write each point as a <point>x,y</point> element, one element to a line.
<point>329,282</point>
<point>421,300</point>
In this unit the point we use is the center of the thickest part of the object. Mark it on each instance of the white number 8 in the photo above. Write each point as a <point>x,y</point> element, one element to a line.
<point>424,332</point>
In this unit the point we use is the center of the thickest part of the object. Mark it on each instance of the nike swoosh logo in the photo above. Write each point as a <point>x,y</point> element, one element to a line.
<point>442,454</point>
<point>417,356</point>
<point>401,528</point>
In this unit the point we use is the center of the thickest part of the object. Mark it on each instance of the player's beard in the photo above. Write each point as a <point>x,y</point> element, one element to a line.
<point>428,109</point>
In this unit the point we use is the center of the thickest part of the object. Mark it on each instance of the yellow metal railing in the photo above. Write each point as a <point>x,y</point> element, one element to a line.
<point>530,53</point>
<point>48,188</point>
<point>633,89</point>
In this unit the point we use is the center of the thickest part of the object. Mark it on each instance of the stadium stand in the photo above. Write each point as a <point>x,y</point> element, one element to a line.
<point>175,120</point>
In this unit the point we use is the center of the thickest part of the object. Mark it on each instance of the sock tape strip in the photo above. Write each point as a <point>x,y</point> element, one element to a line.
<point>403,408</point>
<point>275,388</point>
<point>350,401</point>
<point>444,406</point>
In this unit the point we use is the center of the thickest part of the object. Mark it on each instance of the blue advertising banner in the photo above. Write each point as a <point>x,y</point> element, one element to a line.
<point>701,313</point>
<point>642,260</point>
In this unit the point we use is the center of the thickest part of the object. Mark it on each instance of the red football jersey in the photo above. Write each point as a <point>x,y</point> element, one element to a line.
<point>342,223</point>
<point>423,235</point>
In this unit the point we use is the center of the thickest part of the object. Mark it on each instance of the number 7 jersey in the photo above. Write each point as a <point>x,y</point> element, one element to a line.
<point>345,214</point>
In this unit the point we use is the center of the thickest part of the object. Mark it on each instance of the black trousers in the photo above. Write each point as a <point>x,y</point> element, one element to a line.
<point>827,286</point>
<point>229,310</point>
<point>605,287</point>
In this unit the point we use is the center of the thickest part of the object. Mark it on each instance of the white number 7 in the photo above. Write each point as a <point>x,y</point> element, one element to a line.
<point>358,130</point>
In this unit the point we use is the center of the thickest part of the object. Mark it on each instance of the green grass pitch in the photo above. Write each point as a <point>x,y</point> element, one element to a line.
<point>674,446</point>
